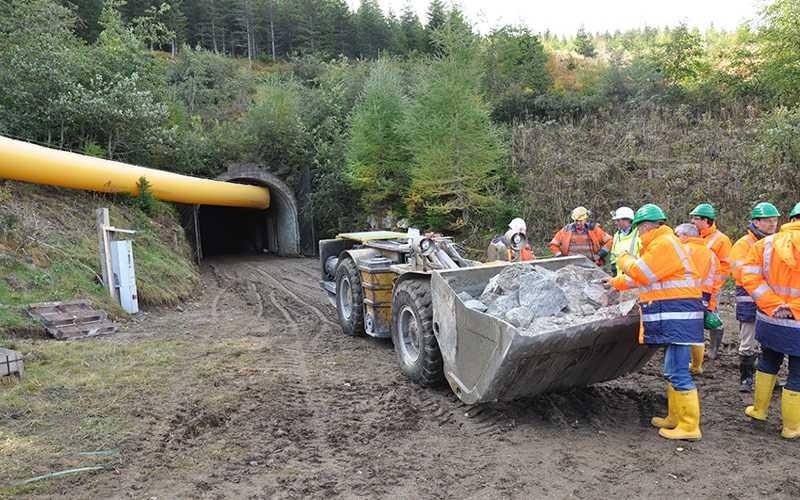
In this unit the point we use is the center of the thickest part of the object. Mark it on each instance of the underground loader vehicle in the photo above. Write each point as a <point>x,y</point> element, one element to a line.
<point>406,286</point>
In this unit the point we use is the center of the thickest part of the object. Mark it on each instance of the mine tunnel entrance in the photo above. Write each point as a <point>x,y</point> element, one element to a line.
<point>231,230</point>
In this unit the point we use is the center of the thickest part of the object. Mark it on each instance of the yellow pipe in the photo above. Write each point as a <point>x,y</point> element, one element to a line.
<point>27,162</point>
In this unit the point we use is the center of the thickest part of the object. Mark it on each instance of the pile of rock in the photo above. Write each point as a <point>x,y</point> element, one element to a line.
<point>534,298</point>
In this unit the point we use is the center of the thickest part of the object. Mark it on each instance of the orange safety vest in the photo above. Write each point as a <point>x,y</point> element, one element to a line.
<point>739,253</point>
<point>669,289</point>
<point>706,263</point>
<point>771,275</point>
<point>720,244</point>
<point>745,307</point>
<point>567,241</point>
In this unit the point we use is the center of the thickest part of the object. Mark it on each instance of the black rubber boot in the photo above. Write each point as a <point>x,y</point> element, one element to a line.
<point>714,343</point>
<point>746,372</point>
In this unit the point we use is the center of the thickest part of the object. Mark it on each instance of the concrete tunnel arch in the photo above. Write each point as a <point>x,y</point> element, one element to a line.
<point>227,230</point>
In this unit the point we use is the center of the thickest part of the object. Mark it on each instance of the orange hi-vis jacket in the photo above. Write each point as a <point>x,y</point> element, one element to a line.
<point>669,289</point>
<point>771,275</point>
<point>706,263</point>
<point>745,307</point>
<point>569,242</point>
<point>720,244</point>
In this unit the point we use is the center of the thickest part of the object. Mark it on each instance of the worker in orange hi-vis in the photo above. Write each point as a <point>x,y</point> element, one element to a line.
<point>704,218</point>
<point>672,312</point>
<point>771,275</point>
<point>706,263</point>
<point>582,237</point>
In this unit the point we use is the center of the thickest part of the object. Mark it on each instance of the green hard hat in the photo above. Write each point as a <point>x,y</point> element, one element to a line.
<point>795,211</point>
<point>648,213</point>
<point>704,210</point>
<point>764,210</point>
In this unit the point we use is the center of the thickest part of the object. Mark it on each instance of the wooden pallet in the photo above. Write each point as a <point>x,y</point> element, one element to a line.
<point>73,319</point>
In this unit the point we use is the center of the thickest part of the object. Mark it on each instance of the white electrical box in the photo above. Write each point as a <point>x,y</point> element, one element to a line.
<point>124,276</point>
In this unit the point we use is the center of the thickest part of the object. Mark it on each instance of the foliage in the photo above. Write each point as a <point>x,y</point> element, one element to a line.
<point>455,148</point>
<point>377,154</point>
<point>779,32</point>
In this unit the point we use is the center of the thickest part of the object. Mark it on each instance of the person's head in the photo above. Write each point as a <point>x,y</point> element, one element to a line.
<point>686,231</point>
<point>518,225</point>
<point>703,216</point>
<point>764,217</point>
<point>623,218</point>
<point>580,216</point>
<point>648,217</point>
<point>794,215</point>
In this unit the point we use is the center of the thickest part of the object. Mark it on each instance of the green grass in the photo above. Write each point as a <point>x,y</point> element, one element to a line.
<point>75,397</point>
<point>48,251</point>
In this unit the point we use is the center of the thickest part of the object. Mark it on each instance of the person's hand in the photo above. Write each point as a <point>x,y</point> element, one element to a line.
<point>783,311</point>
<point>606,282</point>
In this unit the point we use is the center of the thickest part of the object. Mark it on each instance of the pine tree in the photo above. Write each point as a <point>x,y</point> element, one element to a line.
<point>412,34</point>
<point>437,17</point>
<point>377,155</point>
<point>455,147</point>
<point>584,45</point>
<point>372,31</point>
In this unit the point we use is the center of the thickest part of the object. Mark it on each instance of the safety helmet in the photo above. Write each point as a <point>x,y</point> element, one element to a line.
<point>580,213</point>
<point>649,213</point>
<point>623,213</point>
<point>704,210</point>
<point>764,210</point>
<point>518,225</point>
<point>795,211</point>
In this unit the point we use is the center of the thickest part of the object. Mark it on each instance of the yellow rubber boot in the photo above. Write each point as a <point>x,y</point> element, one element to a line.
<point>762,394</point>
<point>687,410</point>
<point>790,407</point>
<point>670,421</point>
<point>696,366</point>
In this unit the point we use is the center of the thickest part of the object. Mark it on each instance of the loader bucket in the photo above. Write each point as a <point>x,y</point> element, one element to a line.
<point>487,359</point>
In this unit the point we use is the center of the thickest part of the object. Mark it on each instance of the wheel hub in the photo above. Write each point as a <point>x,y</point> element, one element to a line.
<point>345,296</point>
<point>408,327</point>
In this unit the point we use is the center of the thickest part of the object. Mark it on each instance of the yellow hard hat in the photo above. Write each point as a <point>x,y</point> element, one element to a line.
<point>580,213</point>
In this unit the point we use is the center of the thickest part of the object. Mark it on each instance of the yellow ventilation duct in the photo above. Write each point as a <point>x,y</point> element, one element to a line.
<point>27,162</point>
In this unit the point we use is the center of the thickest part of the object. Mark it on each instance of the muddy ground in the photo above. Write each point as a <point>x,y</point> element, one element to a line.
<point>316,414</point>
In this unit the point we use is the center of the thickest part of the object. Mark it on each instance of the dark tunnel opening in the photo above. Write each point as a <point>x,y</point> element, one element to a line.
<point>230,230</point>
<point>222,230</point>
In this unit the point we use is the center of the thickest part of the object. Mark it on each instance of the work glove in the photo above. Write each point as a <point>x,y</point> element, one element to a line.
<point>783,311</point>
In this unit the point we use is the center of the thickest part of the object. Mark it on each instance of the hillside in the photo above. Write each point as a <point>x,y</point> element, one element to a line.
<point>48,251</point>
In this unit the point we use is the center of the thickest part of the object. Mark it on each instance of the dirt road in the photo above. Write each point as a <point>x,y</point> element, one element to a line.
<point>290,407</point>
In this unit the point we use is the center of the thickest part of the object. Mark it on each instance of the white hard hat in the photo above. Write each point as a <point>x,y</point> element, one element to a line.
<point>623,213</point>
<point>518,225</point>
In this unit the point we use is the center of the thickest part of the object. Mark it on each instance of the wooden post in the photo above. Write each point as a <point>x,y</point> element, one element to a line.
<point>103,221</point>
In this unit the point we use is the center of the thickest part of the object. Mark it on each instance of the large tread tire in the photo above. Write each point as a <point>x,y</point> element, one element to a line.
<point>352,323</point>
<point>412,306</point>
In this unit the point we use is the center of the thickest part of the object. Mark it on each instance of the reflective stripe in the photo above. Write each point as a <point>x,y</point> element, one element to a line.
<point>782,290</point>
<point>760,291</point>
<point>736,263</point>
<point>632,249</point>
<point>713,239</point>
<point>744,298</point>
<point>768,256</point>
<point>684,259</point>
<point>672,316</point>
<point>646,270</point>
<point>752,270</point>
<point>630,282</point>
<point>791,323</point>
<point>685,283</point>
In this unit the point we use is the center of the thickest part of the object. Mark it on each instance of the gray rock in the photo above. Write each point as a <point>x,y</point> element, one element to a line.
<point>502,305</point>
<point>476,305</point>
<point>541,294</point>
<point>597,295</point>
<point>520,317</point>
<point>465,296</point>
<point>505,282</point>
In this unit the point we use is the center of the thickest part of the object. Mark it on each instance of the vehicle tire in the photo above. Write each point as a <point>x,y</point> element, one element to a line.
<point>412,333</point>
<point>349,298</point>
